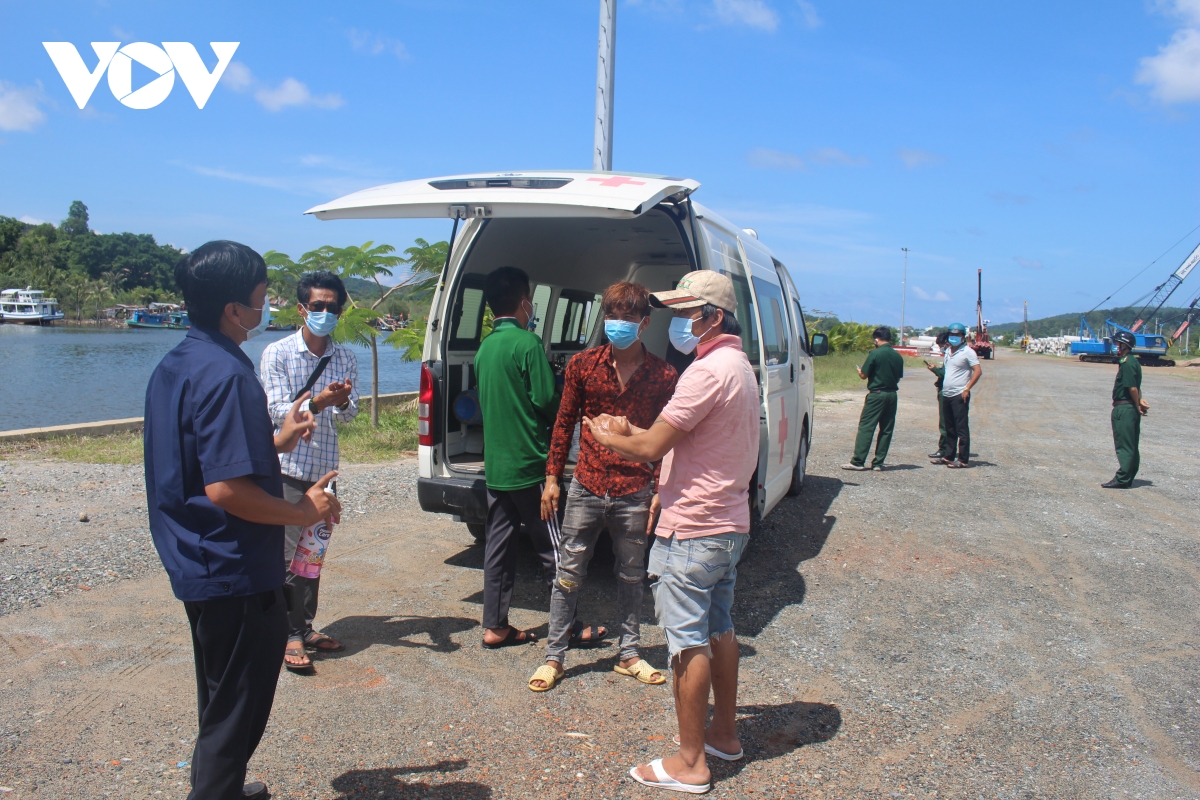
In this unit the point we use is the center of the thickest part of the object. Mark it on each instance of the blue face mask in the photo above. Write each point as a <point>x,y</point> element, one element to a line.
<point>622,333</point>
<point>321,323</point>
<point>263,322</point>
<point>682,337</point>
<point>955,340</point>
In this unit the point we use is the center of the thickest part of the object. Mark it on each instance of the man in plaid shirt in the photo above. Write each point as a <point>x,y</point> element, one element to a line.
<point>285,369</point>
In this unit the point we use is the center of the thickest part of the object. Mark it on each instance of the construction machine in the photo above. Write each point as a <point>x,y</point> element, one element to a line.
<point>981,342</point>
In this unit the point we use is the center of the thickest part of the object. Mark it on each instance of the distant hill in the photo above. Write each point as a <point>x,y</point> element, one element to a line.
<point>1170,316</point>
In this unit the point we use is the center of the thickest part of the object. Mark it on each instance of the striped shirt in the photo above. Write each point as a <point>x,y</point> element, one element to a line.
<point>284,370</point>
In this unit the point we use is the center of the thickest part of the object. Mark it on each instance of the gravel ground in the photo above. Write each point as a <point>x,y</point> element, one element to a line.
<point>1010,631</point>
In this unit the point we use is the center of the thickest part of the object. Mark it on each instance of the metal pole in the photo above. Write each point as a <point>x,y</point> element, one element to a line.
<point>606,65</point>
<point>903,294</point>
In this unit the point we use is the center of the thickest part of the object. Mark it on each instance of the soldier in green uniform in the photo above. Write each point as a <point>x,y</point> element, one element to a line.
<point>939,374</point>
<point>882,371</point>
<point>1127,412</point>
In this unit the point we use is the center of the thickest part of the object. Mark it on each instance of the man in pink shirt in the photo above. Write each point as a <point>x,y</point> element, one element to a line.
<point>707,437</point>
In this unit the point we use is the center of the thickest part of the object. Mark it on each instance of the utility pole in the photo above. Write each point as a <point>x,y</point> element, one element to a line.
<point>903,294</point>
<point>606,66</point>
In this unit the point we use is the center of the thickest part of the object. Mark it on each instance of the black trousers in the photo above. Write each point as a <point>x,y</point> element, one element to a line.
<point>507,511</point>
<point>956,411</point>
<point>238,643</point>
<point>305,591</point>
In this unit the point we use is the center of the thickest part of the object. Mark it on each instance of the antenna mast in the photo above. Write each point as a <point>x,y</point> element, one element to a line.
<point>606,65</point>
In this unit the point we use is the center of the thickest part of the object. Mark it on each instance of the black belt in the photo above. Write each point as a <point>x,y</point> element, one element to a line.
<point>1122,403</point>
<point>878,391</point>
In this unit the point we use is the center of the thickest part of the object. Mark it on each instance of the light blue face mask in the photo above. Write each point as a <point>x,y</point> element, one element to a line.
<point>955,340</point>
<point>263,322</point>
<point>682,337</point>
<point>321,323</point>
<point>622,333</point>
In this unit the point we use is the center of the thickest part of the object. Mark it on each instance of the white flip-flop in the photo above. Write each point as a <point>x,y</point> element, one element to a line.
<point>715,753</point>
<point>665,781</point>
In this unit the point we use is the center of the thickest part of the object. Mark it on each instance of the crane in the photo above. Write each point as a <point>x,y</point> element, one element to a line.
<point>982,344</point>
<point>1191,314</point>
<point>1026,340</point>
<point>1164,290</point>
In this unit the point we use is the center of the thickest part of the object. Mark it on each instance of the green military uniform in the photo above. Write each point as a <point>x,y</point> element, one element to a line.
<point>884,368</point>
<point>519,404</point>
<point>1127,418</point>
<point>940,373</point>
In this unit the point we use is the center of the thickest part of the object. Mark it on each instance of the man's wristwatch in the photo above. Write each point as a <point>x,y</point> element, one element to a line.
<point>313,407</point>
<point>344,406</point>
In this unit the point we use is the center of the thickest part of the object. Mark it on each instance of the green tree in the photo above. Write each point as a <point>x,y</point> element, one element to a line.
<point>76,223</point>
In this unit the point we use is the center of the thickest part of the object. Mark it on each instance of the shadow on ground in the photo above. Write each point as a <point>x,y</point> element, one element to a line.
<point>768,732</point>
<point>390,783</point>
<point>432,633</point>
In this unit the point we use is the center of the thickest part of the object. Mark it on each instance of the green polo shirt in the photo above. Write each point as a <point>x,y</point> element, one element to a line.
<point>884,368</point>
<point>1129,376</point>
<point>517,396</point>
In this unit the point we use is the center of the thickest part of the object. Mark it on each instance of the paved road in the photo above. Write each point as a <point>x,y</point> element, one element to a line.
<point>1008,631</point>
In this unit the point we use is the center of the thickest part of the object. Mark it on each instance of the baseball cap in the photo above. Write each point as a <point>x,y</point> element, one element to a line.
<point>696,289</point>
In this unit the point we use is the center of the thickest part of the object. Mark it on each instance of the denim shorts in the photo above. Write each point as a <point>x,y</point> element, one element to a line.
<point>693,593</point>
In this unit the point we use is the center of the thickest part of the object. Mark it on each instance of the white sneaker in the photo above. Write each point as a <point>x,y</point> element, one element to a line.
<point>856,467</point>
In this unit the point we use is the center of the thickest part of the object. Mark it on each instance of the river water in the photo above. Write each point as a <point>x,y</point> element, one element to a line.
<point>58,376</point>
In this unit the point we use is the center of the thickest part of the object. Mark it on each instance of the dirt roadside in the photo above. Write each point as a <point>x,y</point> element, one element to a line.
<point>1008,631</point>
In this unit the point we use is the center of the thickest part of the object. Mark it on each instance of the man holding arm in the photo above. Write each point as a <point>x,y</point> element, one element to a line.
<point>882,370</point>
<point>215,501</point>
<point>962,373</point>
<point>708,434</point>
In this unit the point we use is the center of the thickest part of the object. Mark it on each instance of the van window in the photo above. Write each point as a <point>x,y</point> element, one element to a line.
<point>727,260</point>
<point>801,325</point>
<point>466,320</point>
<point>541,305</point>
<point>772,309</point>
<point>573,319</point>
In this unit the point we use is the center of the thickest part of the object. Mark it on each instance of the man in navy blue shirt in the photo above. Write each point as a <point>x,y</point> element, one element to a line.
<point>215,500</point>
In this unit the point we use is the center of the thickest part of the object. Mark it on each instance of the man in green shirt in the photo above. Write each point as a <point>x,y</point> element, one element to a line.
<point>1127,412</point>
<point>519,403</point>
<point>882,371</point>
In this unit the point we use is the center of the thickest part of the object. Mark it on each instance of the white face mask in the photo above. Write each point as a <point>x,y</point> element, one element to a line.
<point>263,321</point>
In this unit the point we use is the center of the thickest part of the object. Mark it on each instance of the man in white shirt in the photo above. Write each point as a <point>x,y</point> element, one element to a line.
<point>285,369</point>
<point>962,372</point>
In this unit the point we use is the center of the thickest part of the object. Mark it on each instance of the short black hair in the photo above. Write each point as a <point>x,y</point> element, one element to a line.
<point>883,333</point>
<point>321,279</point>
<point>943,339</point>
<point>216,274</point>
<point>504,290</point>
<point>729,324</point>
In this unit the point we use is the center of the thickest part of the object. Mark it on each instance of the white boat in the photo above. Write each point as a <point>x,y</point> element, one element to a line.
<point>28,305</point>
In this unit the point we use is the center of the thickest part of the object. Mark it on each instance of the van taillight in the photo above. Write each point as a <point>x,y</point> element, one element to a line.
<point>425,407</point>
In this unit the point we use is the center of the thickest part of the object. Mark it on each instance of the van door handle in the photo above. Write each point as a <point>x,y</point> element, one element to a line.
<point>793,372</point>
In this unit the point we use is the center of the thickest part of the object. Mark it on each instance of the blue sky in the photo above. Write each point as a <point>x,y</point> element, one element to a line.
<point>1053,145</point>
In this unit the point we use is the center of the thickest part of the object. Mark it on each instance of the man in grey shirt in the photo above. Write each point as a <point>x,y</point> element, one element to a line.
<point>962,372</point>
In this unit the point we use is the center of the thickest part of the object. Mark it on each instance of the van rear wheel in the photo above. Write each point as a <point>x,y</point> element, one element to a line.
<point>801,467</point>
<point>477,530</point>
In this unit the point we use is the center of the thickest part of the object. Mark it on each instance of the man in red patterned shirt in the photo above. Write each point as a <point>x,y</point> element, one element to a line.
<point>624,379</point>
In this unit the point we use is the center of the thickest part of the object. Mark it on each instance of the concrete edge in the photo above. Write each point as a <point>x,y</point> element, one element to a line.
<point>111,426</point>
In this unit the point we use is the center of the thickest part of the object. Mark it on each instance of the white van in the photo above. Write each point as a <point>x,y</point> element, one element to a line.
<point>574,234</point>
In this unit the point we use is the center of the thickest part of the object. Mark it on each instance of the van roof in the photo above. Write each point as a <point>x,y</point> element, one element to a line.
<point>536,193</point>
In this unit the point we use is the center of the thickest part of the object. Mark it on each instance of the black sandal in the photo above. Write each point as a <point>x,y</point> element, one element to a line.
<point>514,638</point>
<point>598,632</point>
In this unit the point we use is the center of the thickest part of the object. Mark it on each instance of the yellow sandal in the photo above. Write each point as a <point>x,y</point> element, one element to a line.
<point>643,672</point>
<point>547,675</point>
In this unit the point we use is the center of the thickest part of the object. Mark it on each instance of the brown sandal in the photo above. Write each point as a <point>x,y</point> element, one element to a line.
<point>295,650</point>
<point>322,643</point>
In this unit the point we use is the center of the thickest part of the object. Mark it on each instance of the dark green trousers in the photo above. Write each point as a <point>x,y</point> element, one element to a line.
<point>1127,430</point>
<point>941,426</point>
<point>879,409</point>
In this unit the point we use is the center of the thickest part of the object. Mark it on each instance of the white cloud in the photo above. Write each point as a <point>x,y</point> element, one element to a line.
<point>19,107</point>
<point>811,18</point>
<point>1174,74</point>
<point>294,93</point>
<point>376,44</point>
<point>753,13</point>
<point>938,297</point>
<point>28,220</point>
<point>1028,263</point>
<point>832,155</point>
<point>290,92</point>
<point>914,158</point>
<point>766,158</point>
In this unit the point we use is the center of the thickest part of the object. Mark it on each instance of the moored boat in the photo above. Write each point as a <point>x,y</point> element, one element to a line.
<point>29,306</point>
<point>160,315</point>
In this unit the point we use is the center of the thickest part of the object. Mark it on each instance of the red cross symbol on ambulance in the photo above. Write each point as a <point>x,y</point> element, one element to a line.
<point>617,180</point>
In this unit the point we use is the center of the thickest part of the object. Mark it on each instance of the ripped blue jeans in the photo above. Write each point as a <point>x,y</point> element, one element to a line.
<point>585,516</point>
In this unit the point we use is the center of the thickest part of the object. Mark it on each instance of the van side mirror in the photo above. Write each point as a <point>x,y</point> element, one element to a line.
<point>820,345</point>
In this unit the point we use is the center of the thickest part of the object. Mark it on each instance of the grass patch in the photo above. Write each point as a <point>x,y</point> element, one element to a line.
<point>395,436</point>
<point>835,372</point>
<point>115,448</point>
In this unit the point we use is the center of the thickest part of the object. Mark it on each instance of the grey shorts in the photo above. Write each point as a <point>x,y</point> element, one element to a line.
<point>693,593</point>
